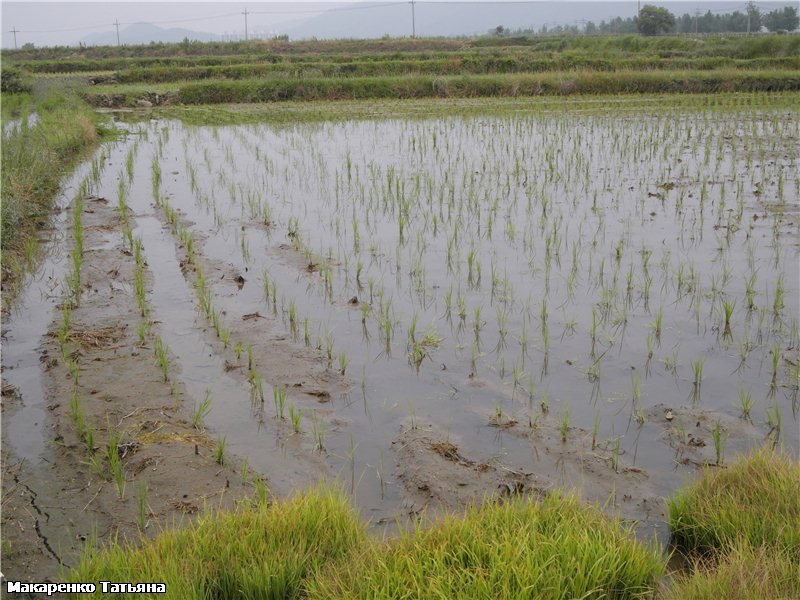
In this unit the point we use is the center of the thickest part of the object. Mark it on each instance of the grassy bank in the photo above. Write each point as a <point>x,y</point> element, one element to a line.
<point>740,527</point>
<point>756,502</point>
<point>257,551</point>
<point>467,86</point>
<point>36,155</point>
<point>344,110</point>
<point>554,549</point>
<point>314,546</point>
<point>479,65</point>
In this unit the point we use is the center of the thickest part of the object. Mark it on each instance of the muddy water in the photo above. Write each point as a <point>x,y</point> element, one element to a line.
<point>23,332</point>
<point>531,256</point>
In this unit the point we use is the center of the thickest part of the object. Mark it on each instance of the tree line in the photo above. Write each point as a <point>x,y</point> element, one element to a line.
<point>654,20</point>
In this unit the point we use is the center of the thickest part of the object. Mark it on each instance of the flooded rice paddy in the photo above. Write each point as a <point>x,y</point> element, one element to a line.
<point>432,310</point>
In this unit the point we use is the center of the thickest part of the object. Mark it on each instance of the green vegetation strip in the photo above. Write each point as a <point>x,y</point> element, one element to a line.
<point>35,158</point>
<point>452,66</point>
<point>429,108</point>
<point>740,528</point>
<point>61,59</point>
<point>755,502</point>
<point>468,86</point>
<point>743,573</point>
<point>554,549</point>
<point>258,551</point>
<point>314,546</point>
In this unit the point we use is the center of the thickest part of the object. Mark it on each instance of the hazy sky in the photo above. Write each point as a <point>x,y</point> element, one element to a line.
<point>65,23</point>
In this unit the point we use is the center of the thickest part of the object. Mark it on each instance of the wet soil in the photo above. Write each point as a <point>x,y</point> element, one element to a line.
<point>57,501</point>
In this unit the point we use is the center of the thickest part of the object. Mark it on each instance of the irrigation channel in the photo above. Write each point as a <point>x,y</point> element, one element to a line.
<point>434,310</point>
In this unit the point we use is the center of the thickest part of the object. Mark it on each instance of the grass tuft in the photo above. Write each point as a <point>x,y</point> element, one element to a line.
<point>260,550</point>
<point>557,548</point>
<point>755,501</point>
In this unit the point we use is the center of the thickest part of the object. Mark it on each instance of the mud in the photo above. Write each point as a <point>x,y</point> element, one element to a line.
<point>57,502</point>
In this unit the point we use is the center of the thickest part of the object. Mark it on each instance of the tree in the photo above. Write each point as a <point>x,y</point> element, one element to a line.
<point>786,19</point>
<point>654,20</point>
<point>753,17</point>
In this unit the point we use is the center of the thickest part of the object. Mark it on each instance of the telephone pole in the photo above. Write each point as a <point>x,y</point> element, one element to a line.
<point>116,24</point>
<point>15,31</point>
<point>413,21</point>
<point>245,24</point>
<point>696,15</point>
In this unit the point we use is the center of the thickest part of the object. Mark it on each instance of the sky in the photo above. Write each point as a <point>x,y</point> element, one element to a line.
<point>65,23</point>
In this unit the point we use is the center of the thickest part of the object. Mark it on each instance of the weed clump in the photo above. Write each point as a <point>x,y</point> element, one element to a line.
<point>756,501</point>
<point>557,548</point>
<point>260,550</point>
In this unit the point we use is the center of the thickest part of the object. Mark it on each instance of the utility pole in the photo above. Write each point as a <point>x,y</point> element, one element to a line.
<point>750,7</point>
<point>413,21</point>
<point>245,24</point>
<point>696,15</point>
<point>116,24</point>
<point>15,31</point>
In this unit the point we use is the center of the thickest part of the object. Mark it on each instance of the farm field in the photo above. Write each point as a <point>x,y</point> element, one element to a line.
<point>427,302</point>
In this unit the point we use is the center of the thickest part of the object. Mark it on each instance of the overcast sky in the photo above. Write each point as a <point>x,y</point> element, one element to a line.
<point>65,23</point>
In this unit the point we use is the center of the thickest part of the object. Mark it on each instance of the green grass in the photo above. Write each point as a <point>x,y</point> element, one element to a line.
<point>260,550</point>
<point>425,108</point>
<point>744,573</point>
<point>558,548</point>
<point>34,160</point>
<point>565,83</point>
<point>314,546</point>
<point>94,58</point>
<point>755,501</point>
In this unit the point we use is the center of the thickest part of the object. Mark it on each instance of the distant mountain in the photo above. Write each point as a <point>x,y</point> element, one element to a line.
<point>373,20</point>
<point>144,33</point>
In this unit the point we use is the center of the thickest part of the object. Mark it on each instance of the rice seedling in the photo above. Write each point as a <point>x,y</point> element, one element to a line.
<point>257,386</point>
<point>745,402</point>
<point>201,411</point>
<point>161,351</point>
<point>115,459</point>
<point>563,425</point>
<point>718,437</point>
<point>728,308</point>
<point>697,370</point>
<point>318,432</point>
<point>219,450</point>
<point>295,416</point>
<point>775,355</point>
<point>615,452</point>
<point>279,398</point>
<point>778,303</point>
<point>774,421</point>
<point>595,427</point>
<point>657,323</point>
<point>142,506</point>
